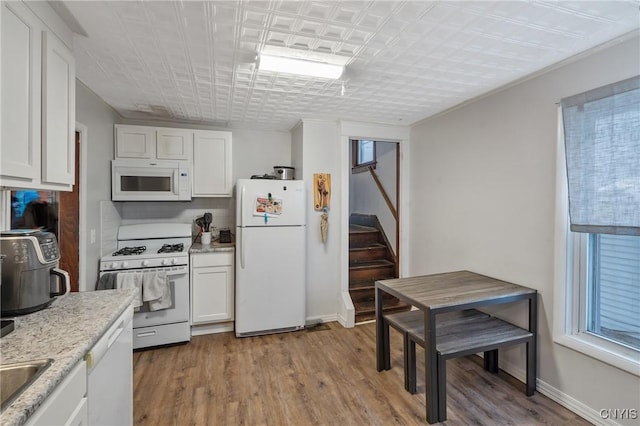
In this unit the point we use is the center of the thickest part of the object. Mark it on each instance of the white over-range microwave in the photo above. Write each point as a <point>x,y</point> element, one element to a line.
<point>150,180</point>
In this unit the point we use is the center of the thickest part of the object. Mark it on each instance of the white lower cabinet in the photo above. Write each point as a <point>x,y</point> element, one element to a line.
<point>212,285</point>
<point>67,405</point>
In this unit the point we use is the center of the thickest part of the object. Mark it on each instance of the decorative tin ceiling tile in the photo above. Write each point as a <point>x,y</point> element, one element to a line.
<point>406,60</point>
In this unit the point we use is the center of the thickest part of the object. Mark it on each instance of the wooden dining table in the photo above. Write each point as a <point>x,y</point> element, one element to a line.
<point>446,292</point>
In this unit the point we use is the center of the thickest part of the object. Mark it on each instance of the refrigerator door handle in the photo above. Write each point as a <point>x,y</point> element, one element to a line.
<point>241,248</point>
<point>241,215</point>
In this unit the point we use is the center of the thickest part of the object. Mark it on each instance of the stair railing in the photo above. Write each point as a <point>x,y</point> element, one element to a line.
<point>392,209</point>
<point>387,200</point>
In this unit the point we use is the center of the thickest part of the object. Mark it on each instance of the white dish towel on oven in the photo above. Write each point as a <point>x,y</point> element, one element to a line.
<point>156,290</point>
<point>131,280</point>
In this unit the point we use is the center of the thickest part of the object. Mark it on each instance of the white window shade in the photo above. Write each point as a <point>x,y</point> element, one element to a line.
<point>602,142</point>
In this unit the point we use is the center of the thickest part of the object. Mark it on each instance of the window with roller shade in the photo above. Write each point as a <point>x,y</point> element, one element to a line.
<point>602,148</point>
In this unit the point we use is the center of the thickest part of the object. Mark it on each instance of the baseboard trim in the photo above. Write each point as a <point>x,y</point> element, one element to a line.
<point>560,397</point>
<point>199,330</point>
<point>321,318</point>
<point>347,313</point>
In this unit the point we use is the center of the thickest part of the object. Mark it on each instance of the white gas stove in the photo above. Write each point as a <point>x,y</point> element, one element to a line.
<point>152,248</point>
<point>150,245</point>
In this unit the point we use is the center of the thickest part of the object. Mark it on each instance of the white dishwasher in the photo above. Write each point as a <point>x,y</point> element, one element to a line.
<point>110,375</point>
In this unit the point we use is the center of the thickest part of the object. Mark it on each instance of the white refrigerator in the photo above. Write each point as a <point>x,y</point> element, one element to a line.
<point>270,256</point>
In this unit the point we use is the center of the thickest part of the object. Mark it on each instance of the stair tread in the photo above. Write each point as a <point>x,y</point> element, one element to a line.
<point>363,285</point>
<point>370,246</point>
<point>370,305</point>
<point>366,310</point>
<point>379,263</point>
<point>356,229</point>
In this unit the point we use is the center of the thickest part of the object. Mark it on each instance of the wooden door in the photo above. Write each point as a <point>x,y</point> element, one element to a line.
<point>69,225</point>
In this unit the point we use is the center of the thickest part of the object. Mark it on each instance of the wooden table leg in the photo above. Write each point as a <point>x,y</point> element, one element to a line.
<point>431,367</point>
<point>442,388</point>
<point>383,357</point>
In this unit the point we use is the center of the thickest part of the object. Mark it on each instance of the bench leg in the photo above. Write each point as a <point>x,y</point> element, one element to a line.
<point>442,388</point>
<point>491,361</point>
<point>532,372</point>
<point>531,368</point>
<point>409,364</point>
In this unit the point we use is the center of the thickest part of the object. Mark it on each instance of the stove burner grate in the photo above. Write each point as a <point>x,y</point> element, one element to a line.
<point>171,248</point>
<point>127,251</point>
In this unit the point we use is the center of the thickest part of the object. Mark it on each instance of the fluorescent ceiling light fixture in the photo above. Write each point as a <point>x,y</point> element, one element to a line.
<point>300,67</point>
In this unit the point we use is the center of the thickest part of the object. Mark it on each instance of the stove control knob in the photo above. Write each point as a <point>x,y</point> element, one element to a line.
<point>145,263</point>
<point>174,261</point>
<point>125,264</point>
<point>165,262</point>
<point>114,265</point>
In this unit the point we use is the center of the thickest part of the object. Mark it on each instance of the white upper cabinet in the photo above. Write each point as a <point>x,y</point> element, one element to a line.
<point>135,142</point>
<point>174,144</point>
<point>58,110</point>
<point>208,151</point>
<point>153,142</point>
<point>212,164</point>
<point>37,148</point>
<point>21,72</point>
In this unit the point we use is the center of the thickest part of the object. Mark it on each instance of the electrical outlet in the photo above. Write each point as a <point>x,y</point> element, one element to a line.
<point>92,236</point>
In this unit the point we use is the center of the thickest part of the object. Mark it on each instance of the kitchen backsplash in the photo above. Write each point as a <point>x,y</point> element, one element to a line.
<point>110,219</point>
<point>222,210</point>
<point>114,214</point>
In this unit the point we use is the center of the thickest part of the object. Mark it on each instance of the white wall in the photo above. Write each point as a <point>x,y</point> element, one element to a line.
<point>296,150</point>
<point>98,118</point>
<point>483,193</point>
<point>320,154</point>
<point>366,198</point>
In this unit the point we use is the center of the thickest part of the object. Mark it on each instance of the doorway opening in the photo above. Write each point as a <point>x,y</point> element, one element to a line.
<point>374,223</point>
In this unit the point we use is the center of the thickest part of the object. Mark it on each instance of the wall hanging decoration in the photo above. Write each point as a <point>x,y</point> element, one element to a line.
<point>322,200</point>
<point>324,226</point>
<point>322,190</point>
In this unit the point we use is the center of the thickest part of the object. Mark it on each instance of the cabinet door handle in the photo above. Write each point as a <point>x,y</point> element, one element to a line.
<point>116,333</point>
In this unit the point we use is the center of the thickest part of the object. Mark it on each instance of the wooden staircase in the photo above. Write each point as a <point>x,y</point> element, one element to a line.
<point>370,259</point>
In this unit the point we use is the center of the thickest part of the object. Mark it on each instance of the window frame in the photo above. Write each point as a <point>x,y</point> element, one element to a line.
<point>570,283</point>
<point>357,167</point>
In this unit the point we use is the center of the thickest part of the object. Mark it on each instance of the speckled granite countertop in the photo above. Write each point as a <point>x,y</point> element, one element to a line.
<point>64,332</point>
<point>215,246</point>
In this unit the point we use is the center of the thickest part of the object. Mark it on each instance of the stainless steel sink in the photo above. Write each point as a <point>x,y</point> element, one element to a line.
<point>16,377</point>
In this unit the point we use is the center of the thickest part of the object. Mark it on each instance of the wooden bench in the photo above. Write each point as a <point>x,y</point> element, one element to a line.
<point>454,339</point>
<point>412,322</point>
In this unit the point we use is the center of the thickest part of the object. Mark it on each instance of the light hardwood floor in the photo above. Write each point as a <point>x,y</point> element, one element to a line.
<point>321,376</point>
